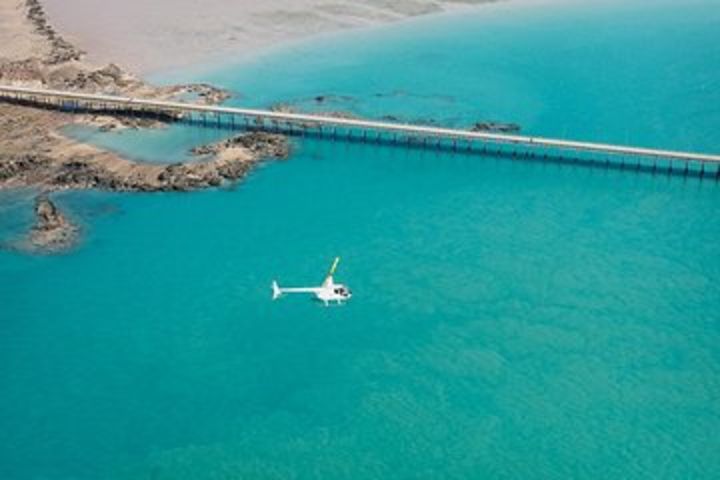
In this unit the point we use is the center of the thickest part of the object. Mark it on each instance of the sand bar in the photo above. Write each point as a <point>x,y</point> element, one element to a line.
<point>171,34</point>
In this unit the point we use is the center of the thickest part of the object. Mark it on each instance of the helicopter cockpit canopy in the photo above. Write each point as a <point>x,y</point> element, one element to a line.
<point>343,291</point>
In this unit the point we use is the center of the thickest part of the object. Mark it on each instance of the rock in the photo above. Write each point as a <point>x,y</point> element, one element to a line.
<point>261,144</point>
<point>108,127</point>
<point>112,71</point>
<point>495,127</point>
<point>339,114</point>
<point>66,77</point>
<point>331,98</point>
<point>209,94</point>
<point>18,166</point>
<point>282,108</point>
<point>52,232</point>
<point>233,170</point>
<point>79,174</point>
<point>61,51</point>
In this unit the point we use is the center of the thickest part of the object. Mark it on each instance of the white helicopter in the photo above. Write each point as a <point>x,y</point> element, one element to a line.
<point>328,292</point>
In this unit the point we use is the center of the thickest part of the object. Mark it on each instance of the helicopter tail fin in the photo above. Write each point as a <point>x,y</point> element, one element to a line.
<point>276,292</point>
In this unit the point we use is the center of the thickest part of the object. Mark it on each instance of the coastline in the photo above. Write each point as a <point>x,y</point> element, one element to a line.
<point>38,155</point>
<point>512,317</point>
<point>175,35</point>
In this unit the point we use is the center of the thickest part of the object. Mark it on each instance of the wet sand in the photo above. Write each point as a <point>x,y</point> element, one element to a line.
<point>172,34</point>
<point>17,36</point>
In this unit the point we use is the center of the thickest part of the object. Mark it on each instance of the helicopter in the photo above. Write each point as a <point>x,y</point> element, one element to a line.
<point>328,292</point>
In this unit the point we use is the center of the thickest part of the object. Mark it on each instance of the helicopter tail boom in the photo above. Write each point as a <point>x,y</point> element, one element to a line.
<point>278,291</point>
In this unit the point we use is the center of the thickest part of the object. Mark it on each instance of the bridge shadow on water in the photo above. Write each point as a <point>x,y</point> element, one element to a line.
<point>506,151</point>
<point>515,153</point>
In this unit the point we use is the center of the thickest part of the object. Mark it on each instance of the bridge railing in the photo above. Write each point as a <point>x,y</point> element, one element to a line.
<point>328,125</point>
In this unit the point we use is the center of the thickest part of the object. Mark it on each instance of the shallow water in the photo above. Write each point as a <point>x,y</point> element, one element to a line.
<point>510,319</point>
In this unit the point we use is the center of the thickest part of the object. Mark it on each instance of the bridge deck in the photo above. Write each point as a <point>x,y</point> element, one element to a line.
<point>319,121</point>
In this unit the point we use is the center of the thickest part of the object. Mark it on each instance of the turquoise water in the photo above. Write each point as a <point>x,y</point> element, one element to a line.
<point>509,319</point>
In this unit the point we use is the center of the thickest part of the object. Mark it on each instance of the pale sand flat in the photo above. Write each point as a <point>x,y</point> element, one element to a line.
<point>156,35</point>
<point>17,36</point>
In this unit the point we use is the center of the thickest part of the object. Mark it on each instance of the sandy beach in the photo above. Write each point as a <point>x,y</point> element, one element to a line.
<point>170,34</point>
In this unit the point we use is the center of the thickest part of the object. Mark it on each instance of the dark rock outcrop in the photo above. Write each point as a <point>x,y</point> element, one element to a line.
<point>61,50</point>
<point>78,174</point>
<point>261,144</point>
<point>208,94</point>
<point>21,166</point>
<point>496,127</point>
<point>52,232</point>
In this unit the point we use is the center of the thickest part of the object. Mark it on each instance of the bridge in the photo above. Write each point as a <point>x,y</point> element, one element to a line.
<point>529,147</point>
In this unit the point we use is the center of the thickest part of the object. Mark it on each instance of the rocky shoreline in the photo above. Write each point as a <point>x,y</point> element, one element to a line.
<point>230,161</point>
<point>86,168</point>
<point>36,154</point>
